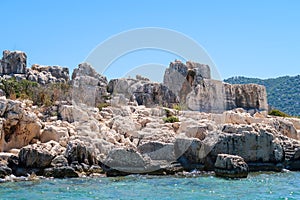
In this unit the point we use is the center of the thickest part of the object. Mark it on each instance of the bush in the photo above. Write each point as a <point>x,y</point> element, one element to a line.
<point>171,119</point>
<point>39,94</point>
<point>177,107</point>
<point>278,113</point>
<point>102,105</point>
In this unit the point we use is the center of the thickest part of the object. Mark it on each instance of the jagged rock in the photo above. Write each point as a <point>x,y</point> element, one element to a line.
<point>39,155</point>
<point>89,87</point>
<point>54,133</point>
<point>247,96</point>
<point>59,161</point>
<point>47,74</point>
<point>256,147</point>
<point>19,127</point>
<point>194,87</point>
<point>55,71</point>
<point>143,92</point>
<point>231,166</point>
<point>286,128</point>
<point>13,62</point>
<point>61,172</point>
<point>5,171</point>
<point>78,151</point>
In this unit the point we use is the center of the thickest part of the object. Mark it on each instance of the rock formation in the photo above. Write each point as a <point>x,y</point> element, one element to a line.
<point>231,166</point>
<point>193,84</point>
<point>13,62</point>
<point>127,133</point>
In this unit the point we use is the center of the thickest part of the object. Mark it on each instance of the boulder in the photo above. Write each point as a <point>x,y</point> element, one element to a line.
<point>19,127</point>
<point>13,62</point>
<point>257,147</point>
<point>187,151</point>
<point>5,171</point>
<point>158,150</point>
<point>61,172</point>
<point>59,161</point>
<point>78,151</point>
<point>231,166</point>
<point>54,133</point>
<point>89,87</point>
<point>125,160</point>
<point>39,155</point>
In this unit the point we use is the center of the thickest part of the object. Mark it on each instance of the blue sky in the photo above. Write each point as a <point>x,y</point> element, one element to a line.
<point>250,38</point>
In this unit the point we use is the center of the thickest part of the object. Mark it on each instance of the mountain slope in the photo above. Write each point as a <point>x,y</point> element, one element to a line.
<point>283,92</point>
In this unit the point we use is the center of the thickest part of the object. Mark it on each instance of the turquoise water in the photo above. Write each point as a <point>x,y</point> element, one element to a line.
<point>256,186</point>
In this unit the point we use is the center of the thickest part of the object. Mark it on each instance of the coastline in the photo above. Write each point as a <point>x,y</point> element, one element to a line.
<point>86,126</point>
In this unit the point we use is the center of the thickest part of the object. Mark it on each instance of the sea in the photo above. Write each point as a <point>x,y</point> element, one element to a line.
<point>284,185</point>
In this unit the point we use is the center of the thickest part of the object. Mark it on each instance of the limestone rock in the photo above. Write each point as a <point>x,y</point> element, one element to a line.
<point>158,151</point>
<point>126,160</point>
<point>143,92</point>
<point>254,146</point>
<point>89,87</point>
<point>47,74</point>
<point>187,152</point>
<point>39,155</point>
<point>78,151</point>
<point>247,96</point>
<point>231,166</point>
<point>193,85</point>
<point>13,62</point>
<point>61,172</point>
<point>54,133</point>
<point>19,127</point>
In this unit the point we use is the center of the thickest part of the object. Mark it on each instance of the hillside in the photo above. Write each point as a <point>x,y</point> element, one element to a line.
<point>283,92</point>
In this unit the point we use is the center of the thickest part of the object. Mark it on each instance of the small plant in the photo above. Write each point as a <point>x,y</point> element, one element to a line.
<point>171,119</point>
<point>102,105</point>
<point>168,112</point>
<point>177,107</point>
<point>278,113</point>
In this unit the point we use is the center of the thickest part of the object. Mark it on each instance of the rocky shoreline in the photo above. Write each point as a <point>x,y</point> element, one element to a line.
<point>135,126</point>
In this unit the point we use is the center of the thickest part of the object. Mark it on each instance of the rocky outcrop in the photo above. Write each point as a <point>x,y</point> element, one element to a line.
<point>47,74</point>
<point>18,126</point>
<point>247,96</point>
<point>192,83</point>
<point>13,62</point>
<point>143,92</point>
<point>89,87</point>
<point>231,166</point>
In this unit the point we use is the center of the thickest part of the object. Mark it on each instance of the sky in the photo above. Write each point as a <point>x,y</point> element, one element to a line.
<point>248,38</point>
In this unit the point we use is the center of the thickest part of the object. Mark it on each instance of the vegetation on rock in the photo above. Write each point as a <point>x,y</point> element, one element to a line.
<point>39,94</point>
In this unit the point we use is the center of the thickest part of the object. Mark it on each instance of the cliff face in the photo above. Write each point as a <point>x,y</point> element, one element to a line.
<point>193,83</point>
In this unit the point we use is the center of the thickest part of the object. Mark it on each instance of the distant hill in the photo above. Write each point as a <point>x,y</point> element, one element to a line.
<point>283,92</point>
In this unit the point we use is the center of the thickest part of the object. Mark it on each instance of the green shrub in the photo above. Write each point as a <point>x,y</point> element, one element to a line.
<point>177,107</point>
<point>102,105</point>
<point>278,113</point>
<point>171,119</point>
<point>40,94</point>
